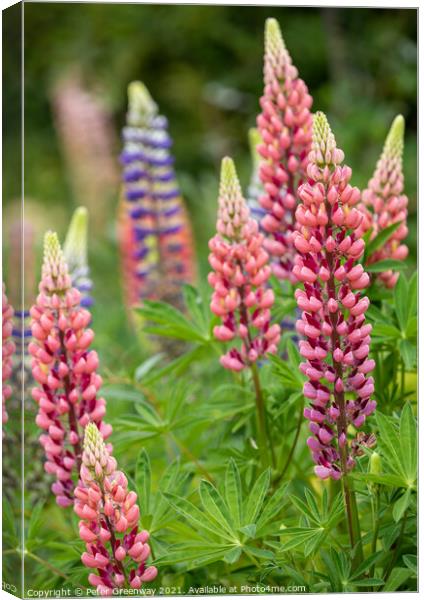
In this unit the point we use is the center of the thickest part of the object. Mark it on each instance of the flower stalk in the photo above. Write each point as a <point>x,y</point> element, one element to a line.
<point>285,128</point>
<point>159,255</point>
<point>241,298</point>
<point>8,348</point>
<point>385,204</point>
<point>65,369</point>
<point>109,516</point>
<point>337,337</point>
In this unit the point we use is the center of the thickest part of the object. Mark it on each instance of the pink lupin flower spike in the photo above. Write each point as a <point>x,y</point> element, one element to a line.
<point>337,337</point>
<point>8,348</point>
<point>285,126</point>
<point>386,204</point>
<point>109,521</point>
<point>65,369</point>
<point>239,277</point>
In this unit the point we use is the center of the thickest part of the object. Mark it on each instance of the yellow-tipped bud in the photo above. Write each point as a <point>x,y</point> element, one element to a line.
<point>141,105</point>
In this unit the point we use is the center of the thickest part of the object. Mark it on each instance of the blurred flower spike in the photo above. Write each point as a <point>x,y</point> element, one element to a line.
<point>155,232</point>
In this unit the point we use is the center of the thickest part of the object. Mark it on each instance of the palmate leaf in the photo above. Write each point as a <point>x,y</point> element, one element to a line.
<point>390,480</point>
<point>143,481</point>
<point>197,518</point>
<point>399,445</point>
<point>172,480</point>
<point>272,507</point>
<point>387,265</point>
<point>179,365</point>
<point>233,493</point>
<point>196,308</point>
<point>195,554</point>
<point>401,301</point>
<point>256,497</point>
<point>398,577</point>
<point>309,538</point>
<point>408,353</point>
<point>167,321</point>
<point>147,366</point>
<point>215,506</point>
<point>287,372</point>
<point>401,505</point>
<point>408,435</point>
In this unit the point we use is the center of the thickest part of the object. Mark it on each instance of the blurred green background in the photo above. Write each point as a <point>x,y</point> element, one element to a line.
<point>203,66</point>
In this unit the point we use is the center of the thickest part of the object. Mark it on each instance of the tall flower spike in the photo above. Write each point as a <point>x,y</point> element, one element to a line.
<point>87,139</point>
<point>65,369</point>
<point>162,239</point>
<point>109,521</point>
<point>337,337</point>
<point>8,348</point>
<point>75,252</point>
<point>285,126</point>
<point>385,203</point>
<point>240,272</point>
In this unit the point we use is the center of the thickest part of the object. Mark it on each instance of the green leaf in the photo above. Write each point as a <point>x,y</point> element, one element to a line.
<point>408,447</point>
<point>256,497</point>
<point>9,522</point>
<point>214,504</point>
<point>401,301</point>
<point>143,481</point>
<point>290,377</point>
<point>408,353</point>
<point>233,555</point>
<point>397,577</point>
<point>197,518</point>
<point>371,581</point>
<point>314,543</point>
<point>170,481</point>
<point>387,265</point>
<point>384,479</point>
<point>195,553</point>
<point>305,509</point>
<point>148,365</point>
<point>401,505</point>
<point>178,365</point>
<point>169,322</point>
<point>196,308</point>
<point>249,530</point>
<point>259,552</point>
<point>412,296</point>
<point>233,495</point>
<point>35,522</point>
<point>385,330</point>
<point>272,506</point>
<point>366,565</point>
<point>301,536</point>
<point>389,441</point>
<point>380,239</point>
<point>410,561</point>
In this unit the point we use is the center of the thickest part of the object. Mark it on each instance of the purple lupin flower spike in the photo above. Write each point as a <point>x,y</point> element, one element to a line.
<point>162,250</point>
<point>337,336</point>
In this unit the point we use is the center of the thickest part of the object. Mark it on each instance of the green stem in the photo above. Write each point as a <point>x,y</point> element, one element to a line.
<point>353,521</point>
<point>402,381</point>
<point>397,548</point>
<point>50,567</point>
<point>376,520</point>
<point>263,432</point>
<point>191,456</point>
<point>293,446</point>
